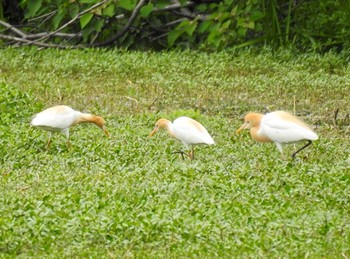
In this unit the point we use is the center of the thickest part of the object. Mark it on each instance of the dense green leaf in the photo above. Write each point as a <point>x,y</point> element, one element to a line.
<point>173,35</point>
<point>73,10</point>
<point>58,18</point>
<point>301,24</point>
<point>1,11</point>
<point>225,25</point>
<point>242,31</point>
<point>201,7</point>
<point>161,3</point>
<point>146,10</point>
<point>250,24</point>
<point>88,1</point>
<point>214,32</point>
<point>228,2</point>
<point>191,27</point>
<point>183,25</point>
<point>98,24</point>
<point>85,19</point>
<point>255,16</point>
<point>234,10</point>
<point>32,8</point>
<point>109,10</point>
<point>203,27</point>
<point>126,4</point>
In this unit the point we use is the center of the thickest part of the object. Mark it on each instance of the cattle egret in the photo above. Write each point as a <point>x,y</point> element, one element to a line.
<point>186,130</point>
<point>279,127</point>
<point>61,118</point>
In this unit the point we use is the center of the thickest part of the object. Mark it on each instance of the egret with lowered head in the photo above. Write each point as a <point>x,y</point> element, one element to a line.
<point>60,118</point>
<point>280,127</point>
<point>188,131</point>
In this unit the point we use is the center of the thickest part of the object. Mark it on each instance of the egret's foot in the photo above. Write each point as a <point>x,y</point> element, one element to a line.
<point>180,152</point>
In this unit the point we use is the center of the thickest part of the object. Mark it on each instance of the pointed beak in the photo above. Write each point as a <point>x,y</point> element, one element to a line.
<point>244,126</point>
<point>105,131</point>
<point>153,131</point>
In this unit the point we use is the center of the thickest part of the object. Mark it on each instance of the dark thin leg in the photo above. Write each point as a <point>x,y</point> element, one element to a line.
<point>307,144</point>
<point>180,152</point>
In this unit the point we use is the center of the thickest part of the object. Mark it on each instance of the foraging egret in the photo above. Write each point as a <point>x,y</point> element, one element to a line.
<point>186,130</point>
<point>279,127</point>
<point>60,118</point>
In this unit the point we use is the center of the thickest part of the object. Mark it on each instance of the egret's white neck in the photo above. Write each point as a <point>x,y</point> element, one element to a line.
<point>170,128</point>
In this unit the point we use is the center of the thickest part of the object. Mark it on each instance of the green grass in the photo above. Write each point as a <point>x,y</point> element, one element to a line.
<point>129,196</point>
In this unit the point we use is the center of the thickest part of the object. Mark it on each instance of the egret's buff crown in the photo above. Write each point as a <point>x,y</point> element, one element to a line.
<point>163,124</point>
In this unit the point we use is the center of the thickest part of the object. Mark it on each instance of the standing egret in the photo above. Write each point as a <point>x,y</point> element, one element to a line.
<point>186,130</point>
<point>60,118</point>
<point>279,127</point>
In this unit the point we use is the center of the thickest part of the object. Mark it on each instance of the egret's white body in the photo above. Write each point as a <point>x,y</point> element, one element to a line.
<point>188,131</point>
<point>279,127</point>
<point>60,118</point>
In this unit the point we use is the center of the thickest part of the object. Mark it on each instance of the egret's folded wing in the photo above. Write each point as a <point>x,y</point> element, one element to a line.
<point>191,131</point>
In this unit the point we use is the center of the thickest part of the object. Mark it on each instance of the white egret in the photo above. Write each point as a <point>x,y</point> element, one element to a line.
<point>60,118</point>
<point>280,127</point>
<point>188,131</point>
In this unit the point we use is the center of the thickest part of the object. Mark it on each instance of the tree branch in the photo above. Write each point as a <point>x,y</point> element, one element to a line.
<point>42,16</point>
<point>71,21</point>
<point>165,34</point>
<point>181,10</point>
<point>58,34</point>
<point>172,7</point>
<point>126,27</point>
<point>40,44</point>
<point>13,29</point>
<point>19,36</point>
<point>23,35</point>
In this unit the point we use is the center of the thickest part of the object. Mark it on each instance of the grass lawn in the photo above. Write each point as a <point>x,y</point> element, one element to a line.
<point>129,196</point>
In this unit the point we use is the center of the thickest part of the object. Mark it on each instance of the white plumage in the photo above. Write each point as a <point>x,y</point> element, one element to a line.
<point>56,119</point>
<point>279,127</point>
<point>60,118</point>
<point>190,132</point>
<point>186,130</point>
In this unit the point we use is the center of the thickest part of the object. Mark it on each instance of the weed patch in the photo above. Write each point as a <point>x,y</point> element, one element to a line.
<point>129,196</point>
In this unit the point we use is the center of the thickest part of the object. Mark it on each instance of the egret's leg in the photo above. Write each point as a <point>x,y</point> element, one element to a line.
<point>66,132</point>
<point>280,148</point>
<point>49,141</point>
<point>191,154</point>
<point>309,142</point>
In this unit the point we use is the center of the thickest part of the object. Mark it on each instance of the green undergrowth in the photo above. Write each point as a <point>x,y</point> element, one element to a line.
<point>130,196</point>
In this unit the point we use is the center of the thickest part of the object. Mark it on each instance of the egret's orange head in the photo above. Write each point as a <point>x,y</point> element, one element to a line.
<point>251,120</point>
<point>160,124</point>
<point>100,122</point>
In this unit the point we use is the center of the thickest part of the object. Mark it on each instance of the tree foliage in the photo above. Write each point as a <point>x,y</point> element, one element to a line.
<point>206,24</point>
